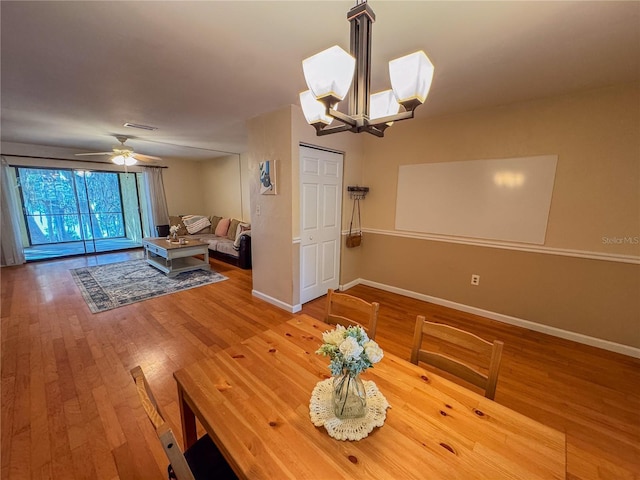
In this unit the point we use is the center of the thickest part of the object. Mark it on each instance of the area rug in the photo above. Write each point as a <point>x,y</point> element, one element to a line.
<point>117,284</point>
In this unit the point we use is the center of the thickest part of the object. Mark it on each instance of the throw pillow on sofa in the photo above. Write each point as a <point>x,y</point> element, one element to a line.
<point>223,227</point>
<point>233,226</point>
<point>214,222</point>
<point>175,220</point>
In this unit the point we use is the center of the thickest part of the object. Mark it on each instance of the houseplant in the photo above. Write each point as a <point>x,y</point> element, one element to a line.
<point>173,230</point>
<point>351,352</point>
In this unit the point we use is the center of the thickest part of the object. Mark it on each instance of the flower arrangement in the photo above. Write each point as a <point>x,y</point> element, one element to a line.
<point>173,229</point>
<point>350,350</point>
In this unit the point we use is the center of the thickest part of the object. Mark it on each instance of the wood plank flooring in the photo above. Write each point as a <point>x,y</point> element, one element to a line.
<point>70,409</point>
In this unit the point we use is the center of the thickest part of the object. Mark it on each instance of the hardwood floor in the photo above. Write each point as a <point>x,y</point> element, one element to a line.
<point>70,409</point>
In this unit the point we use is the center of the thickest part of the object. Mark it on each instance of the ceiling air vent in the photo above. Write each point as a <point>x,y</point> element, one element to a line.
<point>141,127</point>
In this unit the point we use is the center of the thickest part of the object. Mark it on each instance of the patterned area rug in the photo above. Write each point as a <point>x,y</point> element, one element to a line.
<point>116,284</point>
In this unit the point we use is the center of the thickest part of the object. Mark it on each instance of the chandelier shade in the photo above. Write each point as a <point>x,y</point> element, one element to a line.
<point>383,104</point>
<point>329,74</point>
<point>334,73</point>
<point>314,110</point>
<point>411,78</point>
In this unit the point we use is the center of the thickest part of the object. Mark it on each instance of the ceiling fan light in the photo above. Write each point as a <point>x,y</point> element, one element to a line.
<point>314,110</point>
<point>118,159</point>
<point>411,78</point>
<point>124,159</point>
<point>329,74</point>
<point>383,104</point>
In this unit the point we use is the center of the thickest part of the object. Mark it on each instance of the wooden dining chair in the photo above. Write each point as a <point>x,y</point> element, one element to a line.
<point>361,313</point>
<point>201,461</point>
<point>491,351</point>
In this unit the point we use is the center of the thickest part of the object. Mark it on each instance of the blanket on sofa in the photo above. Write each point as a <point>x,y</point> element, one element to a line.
<point>195,223</point>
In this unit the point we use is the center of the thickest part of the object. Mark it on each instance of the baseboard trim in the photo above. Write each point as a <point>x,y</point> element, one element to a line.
<point>347,286</point>
<point>519,322</point>
<point>278,303</point>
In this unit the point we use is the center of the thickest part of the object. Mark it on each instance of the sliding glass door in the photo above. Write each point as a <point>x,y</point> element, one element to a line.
<point>100,208</point>
<point>71,212</point>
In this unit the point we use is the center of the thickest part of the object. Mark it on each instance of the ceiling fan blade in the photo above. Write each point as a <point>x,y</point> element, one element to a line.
<point>94,153</point>
<point>146,158</point>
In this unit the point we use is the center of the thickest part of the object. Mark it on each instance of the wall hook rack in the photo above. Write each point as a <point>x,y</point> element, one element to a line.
<point>357,193</point>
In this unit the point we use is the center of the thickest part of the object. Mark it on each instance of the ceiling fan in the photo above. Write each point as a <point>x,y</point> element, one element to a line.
<point>123,154</point>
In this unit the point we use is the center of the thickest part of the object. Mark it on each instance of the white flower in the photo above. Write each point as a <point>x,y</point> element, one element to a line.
<point>334,337</point>
<point>174,228</point>
<point>373,351</point>
<point>350,349</point>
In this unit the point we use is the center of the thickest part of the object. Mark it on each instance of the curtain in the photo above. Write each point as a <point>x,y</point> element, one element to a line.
<point>156,201</point>
<point>11,252</point>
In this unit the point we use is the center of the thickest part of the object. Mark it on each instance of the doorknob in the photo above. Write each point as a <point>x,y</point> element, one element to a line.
<point>310,238</point>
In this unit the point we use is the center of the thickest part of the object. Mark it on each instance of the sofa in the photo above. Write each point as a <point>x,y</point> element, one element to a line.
<point>229,239</point>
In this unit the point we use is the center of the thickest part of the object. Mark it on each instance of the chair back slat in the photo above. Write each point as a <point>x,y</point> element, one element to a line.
<point>454,367</point>
<point>492,351</point>
<point>146,398</point>
<point>165,434</point>
<point>458,337</point>
<point>338,303</point>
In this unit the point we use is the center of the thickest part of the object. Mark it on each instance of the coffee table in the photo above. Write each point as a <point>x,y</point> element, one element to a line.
<point>174,258</point>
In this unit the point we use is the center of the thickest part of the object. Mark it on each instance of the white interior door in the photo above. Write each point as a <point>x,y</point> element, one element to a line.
<point>320,223</point>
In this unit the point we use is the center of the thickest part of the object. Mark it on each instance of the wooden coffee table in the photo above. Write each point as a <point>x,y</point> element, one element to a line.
<point>174,258</point>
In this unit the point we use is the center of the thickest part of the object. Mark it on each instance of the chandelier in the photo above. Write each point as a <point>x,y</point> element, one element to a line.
<point>330,73</point>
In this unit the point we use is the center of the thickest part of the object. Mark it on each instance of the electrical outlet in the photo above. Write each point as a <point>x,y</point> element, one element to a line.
<point>258,209</point>
<point>475,279</point>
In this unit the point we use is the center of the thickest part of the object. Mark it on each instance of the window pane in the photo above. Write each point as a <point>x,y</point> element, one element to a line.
<point>105,203</point>
<point>50,205</point>
<point>81,188</point>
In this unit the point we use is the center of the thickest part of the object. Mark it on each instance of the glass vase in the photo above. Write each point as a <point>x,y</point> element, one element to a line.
<point>349,396</point>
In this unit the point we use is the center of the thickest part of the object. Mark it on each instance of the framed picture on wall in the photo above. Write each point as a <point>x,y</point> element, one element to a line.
<point>268,177</point>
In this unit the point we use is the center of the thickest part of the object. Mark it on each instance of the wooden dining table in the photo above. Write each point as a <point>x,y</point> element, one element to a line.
<point>253,400</point>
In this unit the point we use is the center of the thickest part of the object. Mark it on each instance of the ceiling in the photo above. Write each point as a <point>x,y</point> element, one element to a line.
<point>74,72</point>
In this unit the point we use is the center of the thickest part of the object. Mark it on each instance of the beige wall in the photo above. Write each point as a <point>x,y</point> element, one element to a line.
<point>221,187</point>
<point>218,186</point>
<point>183,187</point>
<point>246,188</point>
<point>591,297</point>
<point>275,251</point>
<point>270,139</point>
<point>596,195</point>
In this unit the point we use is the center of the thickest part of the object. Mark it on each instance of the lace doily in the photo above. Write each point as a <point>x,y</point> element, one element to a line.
<point>321,412</point>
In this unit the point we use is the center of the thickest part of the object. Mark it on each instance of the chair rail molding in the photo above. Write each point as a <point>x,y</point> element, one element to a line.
<point>609,257</point>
